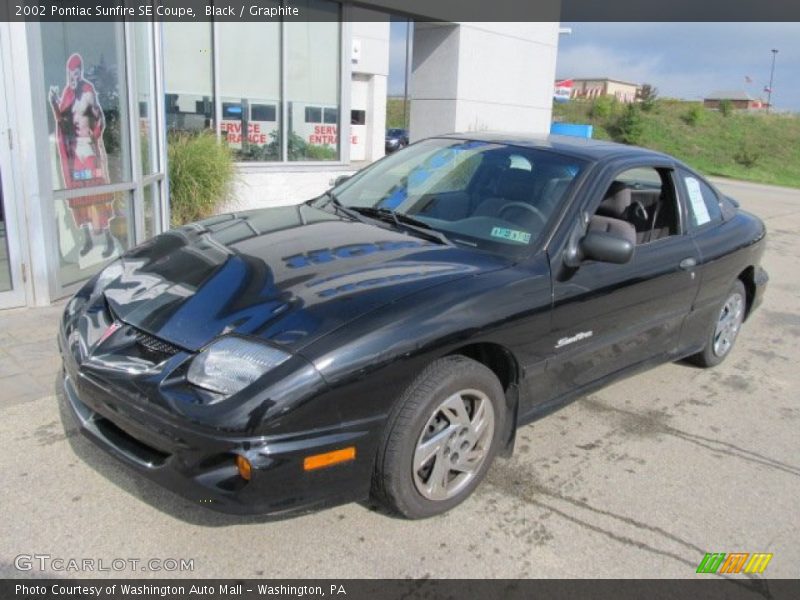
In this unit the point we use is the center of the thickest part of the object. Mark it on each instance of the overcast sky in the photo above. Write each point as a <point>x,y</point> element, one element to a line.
<point>683,60</point>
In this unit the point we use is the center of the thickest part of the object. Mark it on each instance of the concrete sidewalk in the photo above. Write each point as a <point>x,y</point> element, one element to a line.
<point>637,480</point>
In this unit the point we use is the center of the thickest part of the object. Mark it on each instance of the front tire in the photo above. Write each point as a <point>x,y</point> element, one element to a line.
<point>724,328</point>
<point>441,438</point>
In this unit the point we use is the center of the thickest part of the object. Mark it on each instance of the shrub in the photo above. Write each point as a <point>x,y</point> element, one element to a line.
<point>694,115</point>
<point>725,108</point>
<point>629,126</point>
<point>201,175</point>
<point>747,156</point>
<point>296,147</point>
<point>602,107</point>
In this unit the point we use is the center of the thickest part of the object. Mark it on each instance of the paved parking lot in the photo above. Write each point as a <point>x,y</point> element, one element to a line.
<point>638,480</point>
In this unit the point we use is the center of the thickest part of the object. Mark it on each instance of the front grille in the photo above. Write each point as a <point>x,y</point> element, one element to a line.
<point>154,348</point>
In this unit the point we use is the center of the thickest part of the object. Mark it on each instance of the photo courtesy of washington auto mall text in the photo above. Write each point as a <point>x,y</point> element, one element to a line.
<point>399,299</point>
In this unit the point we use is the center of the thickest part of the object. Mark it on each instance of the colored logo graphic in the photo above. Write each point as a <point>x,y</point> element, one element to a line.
<point>735,562</point>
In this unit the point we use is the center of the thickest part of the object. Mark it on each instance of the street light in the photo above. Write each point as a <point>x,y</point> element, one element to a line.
<point>771,78</point>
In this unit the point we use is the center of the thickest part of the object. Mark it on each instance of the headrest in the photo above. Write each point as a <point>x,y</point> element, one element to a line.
<point>618,198</point>
<point>516,185</point>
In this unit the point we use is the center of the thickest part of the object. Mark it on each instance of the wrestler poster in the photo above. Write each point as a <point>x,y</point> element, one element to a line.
<point>83,163</point>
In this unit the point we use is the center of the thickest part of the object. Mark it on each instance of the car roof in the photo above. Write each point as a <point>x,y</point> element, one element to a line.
<point>581,147</point>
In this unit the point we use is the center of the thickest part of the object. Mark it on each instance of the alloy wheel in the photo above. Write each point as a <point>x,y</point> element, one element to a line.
<point>728,324</point>
<point>453,444</point>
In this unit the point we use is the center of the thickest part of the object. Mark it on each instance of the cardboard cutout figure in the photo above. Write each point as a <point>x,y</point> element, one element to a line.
<point>80,123</point>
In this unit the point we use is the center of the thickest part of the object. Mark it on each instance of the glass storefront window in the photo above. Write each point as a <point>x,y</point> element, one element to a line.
<point>312,82</point>
<point>90,231</point>
<point>250,79</point>
<point>188,76</point>
<point>89,144</point>
<point>151,197</point>
<point>5,266</point>
<point>84,76</point>
<point>148,146</point>
<point>255,61</point>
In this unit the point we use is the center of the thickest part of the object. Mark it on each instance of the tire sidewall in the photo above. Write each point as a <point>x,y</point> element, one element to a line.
<point>710,357</point>
<point>461,375</point>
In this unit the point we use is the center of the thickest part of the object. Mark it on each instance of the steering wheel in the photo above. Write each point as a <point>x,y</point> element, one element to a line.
<point>527,207</point>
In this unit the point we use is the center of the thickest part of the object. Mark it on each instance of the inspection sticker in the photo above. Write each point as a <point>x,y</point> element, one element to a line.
<point>513,235</point>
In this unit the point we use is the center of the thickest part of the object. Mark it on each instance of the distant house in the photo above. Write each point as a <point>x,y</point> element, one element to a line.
<point>738,99</point>
<point>624,91</point>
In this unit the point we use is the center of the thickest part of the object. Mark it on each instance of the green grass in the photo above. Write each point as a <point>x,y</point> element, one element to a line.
<point>394,113</point>
<point>753,147</point>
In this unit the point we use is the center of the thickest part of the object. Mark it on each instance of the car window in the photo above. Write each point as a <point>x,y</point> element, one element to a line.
<point>642,177</point>
<point>520,162</point>
<point>702,201</point>
<point>486,195</point>
<point>641,205</point>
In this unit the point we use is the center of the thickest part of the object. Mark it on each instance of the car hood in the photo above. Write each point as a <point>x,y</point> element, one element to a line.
<point>286,274</point>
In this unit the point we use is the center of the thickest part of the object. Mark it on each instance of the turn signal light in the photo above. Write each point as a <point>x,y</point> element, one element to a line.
<point>244,467</point>
<point>319,461</point>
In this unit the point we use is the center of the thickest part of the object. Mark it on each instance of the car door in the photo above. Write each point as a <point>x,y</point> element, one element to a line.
<point>610,317</point>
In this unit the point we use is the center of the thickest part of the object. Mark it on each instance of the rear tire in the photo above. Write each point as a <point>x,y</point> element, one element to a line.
<point>724,328</point>
<point>441,438</point>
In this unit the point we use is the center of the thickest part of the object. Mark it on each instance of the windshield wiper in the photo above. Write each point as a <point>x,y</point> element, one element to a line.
<point>404,222</point>
<point>342,208</point>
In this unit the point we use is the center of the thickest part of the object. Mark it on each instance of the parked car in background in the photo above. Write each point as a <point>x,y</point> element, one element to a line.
<point>388,338</point>
<point>396,139</point>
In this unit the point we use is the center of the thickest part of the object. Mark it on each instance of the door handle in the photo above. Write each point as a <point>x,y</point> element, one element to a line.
<point>688,263</point>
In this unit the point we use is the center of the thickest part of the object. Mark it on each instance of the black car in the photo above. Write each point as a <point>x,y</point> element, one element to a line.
<point>396,139</point>
<point>388,338</point>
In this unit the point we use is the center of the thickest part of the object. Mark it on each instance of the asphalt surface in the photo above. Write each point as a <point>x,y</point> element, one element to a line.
<point>638,480</point>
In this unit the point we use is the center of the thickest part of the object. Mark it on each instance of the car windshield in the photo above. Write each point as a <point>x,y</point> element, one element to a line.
<point>490,196</point>
<point>395,132</point>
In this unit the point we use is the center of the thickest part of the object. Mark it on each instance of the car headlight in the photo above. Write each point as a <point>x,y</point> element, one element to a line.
<point>231,364</point>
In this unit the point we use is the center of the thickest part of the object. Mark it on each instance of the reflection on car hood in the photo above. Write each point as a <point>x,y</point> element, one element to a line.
<point>287,274</point>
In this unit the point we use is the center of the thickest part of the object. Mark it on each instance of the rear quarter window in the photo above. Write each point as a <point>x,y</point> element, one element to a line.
<point>701,200</point>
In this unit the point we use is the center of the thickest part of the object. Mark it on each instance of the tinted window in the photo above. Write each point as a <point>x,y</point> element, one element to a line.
<point>262,112</point>
<point>313,114</point>
<point>331,116</point>
<point>490,196</point>
<point>358,117</point>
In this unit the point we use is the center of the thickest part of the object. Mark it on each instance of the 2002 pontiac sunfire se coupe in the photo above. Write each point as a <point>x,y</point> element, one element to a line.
<point>387,338</point>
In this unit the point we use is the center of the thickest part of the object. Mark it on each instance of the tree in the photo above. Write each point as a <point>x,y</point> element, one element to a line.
<point>647,95</point>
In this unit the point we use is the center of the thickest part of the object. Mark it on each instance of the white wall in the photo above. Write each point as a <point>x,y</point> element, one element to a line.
<point>483,76</point>
<point>278,188</point>
<point>373,65</point>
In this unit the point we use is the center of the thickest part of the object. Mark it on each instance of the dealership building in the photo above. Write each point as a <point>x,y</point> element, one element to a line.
<point>88,107</point>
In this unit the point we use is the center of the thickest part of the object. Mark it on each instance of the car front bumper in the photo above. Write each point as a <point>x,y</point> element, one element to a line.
<point>200,465</point>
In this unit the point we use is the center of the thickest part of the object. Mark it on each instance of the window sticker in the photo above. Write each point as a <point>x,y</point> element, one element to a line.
<point>513,235</point>
<point>701,216</point>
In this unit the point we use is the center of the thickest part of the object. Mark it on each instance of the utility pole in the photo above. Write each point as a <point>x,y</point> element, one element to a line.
<point>771,78</point>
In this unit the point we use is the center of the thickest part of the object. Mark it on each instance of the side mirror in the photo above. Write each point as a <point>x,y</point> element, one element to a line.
<point>606,247</point>
<point>339,180</point>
